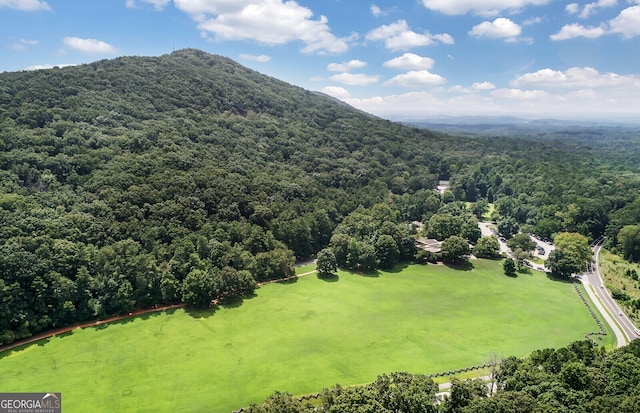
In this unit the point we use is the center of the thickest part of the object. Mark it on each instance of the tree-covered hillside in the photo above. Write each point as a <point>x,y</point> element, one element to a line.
<point>134,182</point>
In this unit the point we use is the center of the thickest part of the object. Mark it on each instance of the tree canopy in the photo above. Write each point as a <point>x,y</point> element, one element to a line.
<point>142,181</point>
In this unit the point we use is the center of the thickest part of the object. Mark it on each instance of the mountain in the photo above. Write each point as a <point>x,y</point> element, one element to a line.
<point>141,181</point>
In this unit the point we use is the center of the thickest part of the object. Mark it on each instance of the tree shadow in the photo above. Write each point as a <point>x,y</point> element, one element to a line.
<point>370,274</point>
<point>201,312</point>
<point>556,278</point>
<point>460,266</point>
<point>397,268</point>
<point>287,281</point>
<point>330,278</point>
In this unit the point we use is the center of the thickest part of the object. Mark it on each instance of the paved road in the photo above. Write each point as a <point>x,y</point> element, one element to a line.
<point>485,230</point>
<point>616,318</point>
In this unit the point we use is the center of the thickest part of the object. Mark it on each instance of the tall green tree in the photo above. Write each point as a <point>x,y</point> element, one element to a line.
<point>455,249</point>
<point>629,242</point>
<point>487,247</point>
<point>326,263</point>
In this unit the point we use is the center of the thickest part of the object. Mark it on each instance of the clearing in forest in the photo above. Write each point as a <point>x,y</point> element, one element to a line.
<point>300,337</point>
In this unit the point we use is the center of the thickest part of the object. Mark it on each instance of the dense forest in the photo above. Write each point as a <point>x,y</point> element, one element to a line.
<point>575,379</point>
<point>141,181</point>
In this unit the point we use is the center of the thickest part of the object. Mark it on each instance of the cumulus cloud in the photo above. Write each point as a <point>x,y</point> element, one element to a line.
<point>337,92</point>
<point>25,5</point>
<point>500,28</point>
<point>475,88</point>
<point>265,21</point>
<point>410,61</point>
<point>573,30</point>
<point>627,22</point>
<point>346,66</point>
<point>575,93</point>
<point>483,86</point>
<point>23,44</point>
<point>157,4</point>
<point>572,8</point>
<point>592,8</point>
<point>482,7</point>
<point>533,20</point>
<point>519,94</point>
<point>256,58</point>
<point>416,78</point>
<point>575,78</point>
<point>89,45</point>
<point>375,10</point>
<point>355,79</point>
<point>398,36</point>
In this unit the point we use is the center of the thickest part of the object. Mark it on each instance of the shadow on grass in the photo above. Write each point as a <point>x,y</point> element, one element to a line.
<point>330,278</point>
<point>525,271</point>
<point>201,312</point>
<point>398,268</point>
<point>290,280</point>
<point>369,274</point>
<point>460,266</point>
<point>556,278</point>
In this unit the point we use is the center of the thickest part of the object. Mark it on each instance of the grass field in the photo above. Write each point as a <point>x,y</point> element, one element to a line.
<point>614,270</point>
<point>301,337</point>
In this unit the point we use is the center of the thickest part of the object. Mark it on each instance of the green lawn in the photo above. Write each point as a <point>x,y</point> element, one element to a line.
<point>301,337</point>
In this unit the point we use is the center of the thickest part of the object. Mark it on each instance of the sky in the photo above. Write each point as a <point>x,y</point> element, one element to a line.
<point>400,60</point>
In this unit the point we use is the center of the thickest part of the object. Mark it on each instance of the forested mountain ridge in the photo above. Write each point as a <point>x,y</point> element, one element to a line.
<point>140,181</point>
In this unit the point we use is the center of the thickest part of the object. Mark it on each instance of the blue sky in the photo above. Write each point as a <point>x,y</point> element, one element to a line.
<point>408,59</point>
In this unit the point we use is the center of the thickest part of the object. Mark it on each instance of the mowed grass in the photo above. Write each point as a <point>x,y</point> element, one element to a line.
<point>301,337</point>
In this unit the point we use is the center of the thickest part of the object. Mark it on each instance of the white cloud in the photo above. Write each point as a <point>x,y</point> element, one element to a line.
<point>483,86</point>
<point>355,79</point>
<point>346,66</point>
<point>157,4</point>
<point>519,94</point>
<point>533,20</point>
<point>375,10</point>
<point>398,36</point>
<point>337,92</point>
<point>575,93</point>
<point>572,8</point>
<point>498,29</point>
<point>482,7</point>
<point>265,21</point>
<point>575,78</point>
<point>573,30</point>
<point>591,8</point>
<point>89,45</point>
<point>48,66</point>
<point>627,22</point>
<point>256,58</point>
<point>410,61</point>
<point>416,78</point>
<point>25,5</point>
<point>23,44</point>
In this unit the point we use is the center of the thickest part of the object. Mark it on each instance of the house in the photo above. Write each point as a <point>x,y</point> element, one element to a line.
<point>429,244</point>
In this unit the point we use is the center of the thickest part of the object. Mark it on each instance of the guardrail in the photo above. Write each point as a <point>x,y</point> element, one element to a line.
<point>602,332</point>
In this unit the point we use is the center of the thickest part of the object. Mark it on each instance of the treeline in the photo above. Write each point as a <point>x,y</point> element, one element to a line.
<point>575,379</point>
<point>137,182</point>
